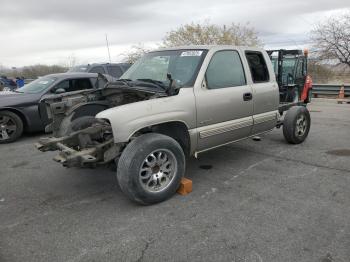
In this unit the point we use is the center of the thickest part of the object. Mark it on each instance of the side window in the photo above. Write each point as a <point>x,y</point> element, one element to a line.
<point>257,66</point>
<point>97,69</point>
<point>62,85</point>
<point>74,85</point>
<point>114,71</point>
<point>225,70</point>
<point>80,84</point>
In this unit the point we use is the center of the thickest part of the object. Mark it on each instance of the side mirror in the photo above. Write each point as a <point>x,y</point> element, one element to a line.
<point>60,91</point>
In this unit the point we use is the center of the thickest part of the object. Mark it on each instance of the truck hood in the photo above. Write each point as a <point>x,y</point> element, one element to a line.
<point>136,86</point>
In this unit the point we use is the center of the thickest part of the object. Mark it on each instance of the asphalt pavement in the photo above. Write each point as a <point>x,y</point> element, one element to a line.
<point>252,201</point>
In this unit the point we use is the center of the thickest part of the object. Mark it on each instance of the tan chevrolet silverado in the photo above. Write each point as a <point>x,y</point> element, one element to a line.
<point>173,104</point>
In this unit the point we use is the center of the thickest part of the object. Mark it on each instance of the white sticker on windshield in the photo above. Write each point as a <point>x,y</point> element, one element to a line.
<point>43,82</point>
<point>192,53</point>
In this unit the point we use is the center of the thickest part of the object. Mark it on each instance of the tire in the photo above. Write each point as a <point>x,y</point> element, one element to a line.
<point>148,179</point>
<point>12,125</point>
<point>296,124</point>
<point>77,124</point>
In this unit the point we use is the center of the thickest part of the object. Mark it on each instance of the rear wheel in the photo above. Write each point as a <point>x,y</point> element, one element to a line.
<point>296,124</point>
<point>11,127</point>
<point>150,168</point>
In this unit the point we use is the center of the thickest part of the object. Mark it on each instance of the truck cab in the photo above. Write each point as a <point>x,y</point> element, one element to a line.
<point>170,104</point>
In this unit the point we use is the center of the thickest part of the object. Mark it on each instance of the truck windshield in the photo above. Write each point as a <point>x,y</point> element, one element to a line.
<point>183,65</point>
<point>37,85</point>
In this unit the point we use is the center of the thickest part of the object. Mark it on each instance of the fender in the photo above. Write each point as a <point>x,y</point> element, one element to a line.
<point>88,109</point>
<point>28,124</point>
<point>84,107</point>
<point>127,119</point>
<point>76,111</point>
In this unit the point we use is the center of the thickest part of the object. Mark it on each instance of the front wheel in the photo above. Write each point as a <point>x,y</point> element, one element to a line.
<point>296,124</point>
<point>11,127</point>
<point>150,168</point>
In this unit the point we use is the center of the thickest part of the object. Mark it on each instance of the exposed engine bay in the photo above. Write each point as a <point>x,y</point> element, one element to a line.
<point>82,139</point>
<point>91,102</point>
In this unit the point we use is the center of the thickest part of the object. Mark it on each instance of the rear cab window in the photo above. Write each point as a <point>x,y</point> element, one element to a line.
<point>97,69</point>
<point>114,71</point>
<point>257,66</point>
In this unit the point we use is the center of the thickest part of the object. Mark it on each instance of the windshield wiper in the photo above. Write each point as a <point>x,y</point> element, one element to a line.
<point>152,81</point>
<point>124,81</point>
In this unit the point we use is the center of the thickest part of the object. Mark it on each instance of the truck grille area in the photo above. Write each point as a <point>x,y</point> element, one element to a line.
<point>88,147</point>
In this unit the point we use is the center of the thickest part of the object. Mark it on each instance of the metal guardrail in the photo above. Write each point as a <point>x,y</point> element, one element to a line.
<point>333,90</point>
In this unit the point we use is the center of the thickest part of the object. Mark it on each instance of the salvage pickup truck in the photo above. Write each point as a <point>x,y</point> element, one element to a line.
<point>172,104</point>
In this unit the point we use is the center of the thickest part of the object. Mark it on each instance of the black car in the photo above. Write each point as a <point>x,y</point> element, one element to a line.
<point>112,69</point>
<point>20,111</point>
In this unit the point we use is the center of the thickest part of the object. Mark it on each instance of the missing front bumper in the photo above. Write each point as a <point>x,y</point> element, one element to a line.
<point>84,148</point>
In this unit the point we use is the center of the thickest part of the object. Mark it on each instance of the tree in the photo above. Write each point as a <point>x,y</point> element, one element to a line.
<point>135,53</point>
<point>211,34</point>
<point>35,71</point>
<point>332,39</point>
<point>71,61</point>
<point>320,73</point>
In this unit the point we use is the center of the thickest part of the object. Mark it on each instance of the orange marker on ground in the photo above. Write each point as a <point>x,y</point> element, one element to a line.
<point>185,186</point>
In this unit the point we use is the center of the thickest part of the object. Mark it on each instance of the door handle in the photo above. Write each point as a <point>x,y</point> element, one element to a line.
<point>247,96</point>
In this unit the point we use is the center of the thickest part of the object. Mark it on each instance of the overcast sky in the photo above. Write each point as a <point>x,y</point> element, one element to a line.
<point>51,31</point>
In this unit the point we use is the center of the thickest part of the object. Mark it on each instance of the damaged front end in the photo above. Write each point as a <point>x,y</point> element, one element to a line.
<point>60,110</point>
<point>91,144</point>
<point>88,147</point>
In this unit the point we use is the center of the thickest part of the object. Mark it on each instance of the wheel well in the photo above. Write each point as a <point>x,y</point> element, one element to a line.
<point>19,113</point>
<point>88,110</point>
<point>175,130</point>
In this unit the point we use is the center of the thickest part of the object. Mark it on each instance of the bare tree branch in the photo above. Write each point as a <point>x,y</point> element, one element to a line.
<point>211,34</point>
<point>332,39</point>
<point>135,53</point>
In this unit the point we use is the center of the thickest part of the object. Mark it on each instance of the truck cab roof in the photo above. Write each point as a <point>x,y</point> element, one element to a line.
<point>211,47</point>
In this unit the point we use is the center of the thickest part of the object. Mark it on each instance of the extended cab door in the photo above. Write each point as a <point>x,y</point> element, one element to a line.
<point>265,91</point>
<point>224,101</point>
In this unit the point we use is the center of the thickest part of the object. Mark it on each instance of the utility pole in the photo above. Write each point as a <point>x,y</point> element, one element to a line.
<point>109,54</point>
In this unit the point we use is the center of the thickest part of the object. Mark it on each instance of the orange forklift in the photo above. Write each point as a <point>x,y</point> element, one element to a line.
<point>290,67</point>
